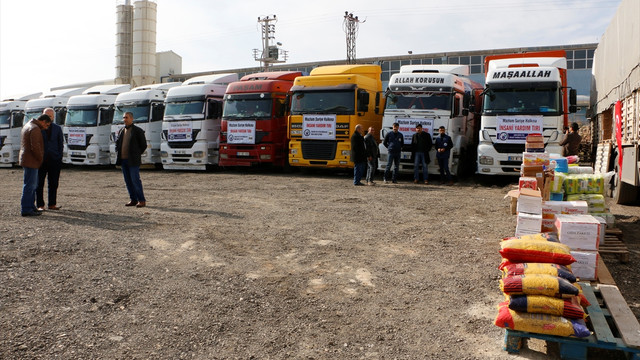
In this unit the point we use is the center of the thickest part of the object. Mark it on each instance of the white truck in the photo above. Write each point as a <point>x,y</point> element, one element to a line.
<point>433,96</point>
<point>11,120</point>
<point>147,105</point>
<point>57,100</point>
<point>615,102</point>
<point>88,124</point>
<point>525,93</point>
<point>192,122</point>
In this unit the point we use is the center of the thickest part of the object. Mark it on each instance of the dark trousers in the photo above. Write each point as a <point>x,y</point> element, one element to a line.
<point>132,180</point>
<point>30,184</point>
<point>443,162</point>
<point>50,169</point>
<point>358,171</point>
<point>392,158</point>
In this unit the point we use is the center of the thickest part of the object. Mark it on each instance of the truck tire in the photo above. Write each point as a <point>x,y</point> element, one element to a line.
<point>621,192</point>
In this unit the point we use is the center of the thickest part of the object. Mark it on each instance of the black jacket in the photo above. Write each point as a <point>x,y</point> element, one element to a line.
<point>371,146</point>
<point>137,146</point>
<point>358,151</point>
<point>421,143</point>
<point>393,142</point>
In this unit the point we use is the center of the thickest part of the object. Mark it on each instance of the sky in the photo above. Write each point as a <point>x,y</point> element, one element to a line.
<point>45,44</point>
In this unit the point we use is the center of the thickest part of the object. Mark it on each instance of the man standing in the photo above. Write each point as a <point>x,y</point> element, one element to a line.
<point>571,142</point>
<point>31,154</point>
<point>443,147</point>
<point>130,145</point>
<point>51,164</point>
<point>393,141</point>
<point>372,155</point>
<point>421,145</point>
<point>358,155</point>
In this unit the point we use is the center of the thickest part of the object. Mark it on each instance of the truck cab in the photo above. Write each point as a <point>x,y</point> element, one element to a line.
<point>525,94</point>
<point>57,100</point>
<point>11,120</point>
<point>147,105</point>
<point>326,106</point>
<point>254,120</point>
<point>433,96</point>
<point>88,124</point>
<point>191,123</point>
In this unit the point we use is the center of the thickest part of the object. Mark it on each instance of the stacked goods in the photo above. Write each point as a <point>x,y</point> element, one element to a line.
<point>584,184</point>
<point>529,210</point>
<point>595,202</point>
<point>534,143</point>
<point>542,296</point>
<point>552,208</point>
<point>582,233</point>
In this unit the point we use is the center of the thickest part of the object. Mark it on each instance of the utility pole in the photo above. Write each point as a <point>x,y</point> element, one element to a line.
<point>350,26</point>
<point>270,53</point>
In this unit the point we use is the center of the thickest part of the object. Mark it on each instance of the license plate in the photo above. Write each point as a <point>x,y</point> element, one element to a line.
<point>405,155</point>
<point>514,158</point>
<point>74,153</point>
<point>243,153</point>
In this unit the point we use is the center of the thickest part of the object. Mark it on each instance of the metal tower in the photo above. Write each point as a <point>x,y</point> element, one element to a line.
<point>270,53</point>
<point>350,26</point>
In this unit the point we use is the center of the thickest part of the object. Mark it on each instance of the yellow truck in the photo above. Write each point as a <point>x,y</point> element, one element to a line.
<point>326,106</point>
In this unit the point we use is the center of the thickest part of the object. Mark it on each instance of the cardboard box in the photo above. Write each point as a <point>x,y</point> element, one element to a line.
<point>535,158</point>
<point>579,232</point>
<point>548,224</point>
<point>528,183</point>
<point>550,208</point>
<point>586,265</point>
<point>530,201</point>
<point>528,224</point>
<point>534,143</point>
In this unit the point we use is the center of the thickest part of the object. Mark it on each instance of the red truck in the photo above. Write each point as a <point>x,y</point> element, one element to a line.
<point>254,120</point>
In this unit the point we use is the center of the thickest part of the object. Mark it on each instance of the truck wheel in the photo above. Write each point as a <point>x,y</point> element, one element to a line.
<point>621,192</point>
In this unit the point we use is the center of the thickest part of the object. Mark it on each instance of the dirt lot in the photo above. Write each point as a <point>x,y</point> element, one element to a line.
<point>238,265</point>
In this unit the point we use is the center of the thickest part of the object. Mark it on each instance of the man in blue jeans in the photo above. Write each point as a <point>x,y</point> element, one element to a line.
<point>130,145</point>
<point>420,146</point>
<point>443,152</point>
<point>393,141</point>
<point>31,155</point>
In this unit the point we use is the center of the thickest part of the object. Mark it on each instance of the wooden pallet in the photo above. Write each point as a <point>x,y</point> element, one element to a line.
<point>613,326</point>
<point>613,244</point>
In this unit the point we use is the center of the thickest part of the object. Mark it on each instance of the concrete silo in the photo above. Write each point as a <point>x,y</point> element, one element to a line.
<point>144,43</point>
<point>124,42</point>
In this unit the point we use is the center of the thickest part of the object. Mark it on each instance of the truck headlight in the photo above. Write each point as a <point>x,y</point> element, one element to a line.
<point>485,160</point>
<point>91,155</point>
<point>294,151</point>
<point>265,157</point>
<point>164,154</point>
<point>346,152</point>
<point>198,154</point>
<point>224,156</point>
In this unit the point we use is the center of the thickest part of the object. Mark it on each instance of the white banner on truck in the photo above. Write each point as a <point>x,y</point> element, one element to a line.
<point>77,136</point>
<point>514,129</point>
<point>319,127</point>
<point>241,132</point>
<point>407,126</point>
<point>179,131</point>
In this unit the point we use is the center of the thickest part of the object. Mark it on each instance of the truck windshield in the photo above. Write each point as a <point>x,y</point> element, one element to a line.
<point>140,113</point>
<point>81,117</point>
<point>419,101</point>
<point>31,115</point>
<point>4,119</point>
<point>245,108</point>
<point>545,101</point>
<point>323,102</point>
<point>184,108</point>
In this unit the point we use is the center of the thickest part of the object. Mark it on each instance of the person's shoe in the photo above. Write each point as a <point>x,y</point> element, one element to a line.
<point>54,207</point>
<point>450,183</point>
<point>33,213</point>
<point>141,204</point>
<point>415,181</point>
<point>441,182</point>
<point>426,182</point>
<point>40,208</point>
<point>131,203</point>
<point>359,184</point>
<point>394,181</point>
<point>371,183</point>
<point>385,181</point>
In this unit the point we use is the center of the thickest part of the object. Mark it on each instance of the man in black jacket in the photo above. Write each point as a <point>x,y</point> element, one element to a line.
<point>130,146</point>
<point>393,141</point>
<point>372,155</point>
<point>420,146</point>
<point>358,155</point>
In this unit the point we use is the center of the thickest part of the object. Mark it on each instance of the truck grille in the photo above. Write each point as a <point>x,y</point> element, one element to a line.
<point>78,147</point>
<point>182,144</point>
<point>319,149</point>
<point>509,148</point>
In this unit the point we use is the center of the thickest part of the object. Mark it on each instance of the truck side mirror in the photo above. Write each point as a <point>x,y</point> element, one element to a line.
<point>573,100</point>
<point>377,108</point>
<point>363,101</point>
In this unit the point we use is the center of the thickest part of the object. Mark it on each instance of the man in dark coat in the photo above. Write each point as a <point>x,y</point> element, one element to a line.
<point>358,155</point>
<point>372,155</point>
<point>420,146</point>
<point>130,145</point>
<point>393,141</point>
<point>51,164</point>
<point>31,154</point>
<point>571,142</point>
<point>443,152</point>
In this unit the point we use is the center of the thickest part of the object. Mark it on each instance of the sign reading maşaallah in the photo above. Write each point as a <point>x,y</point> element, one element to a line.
<point>514,129</point>
<point>241,132</point>
<point>319,127</point>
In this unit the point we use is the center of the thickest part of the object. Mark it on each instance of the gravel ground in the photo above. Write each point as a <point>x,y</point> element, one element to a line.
<point>263,265</point>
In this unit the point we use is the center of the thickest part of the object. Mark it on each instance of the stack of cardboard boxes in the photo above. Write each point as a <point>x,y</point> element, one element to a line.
<point>582,233</point>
